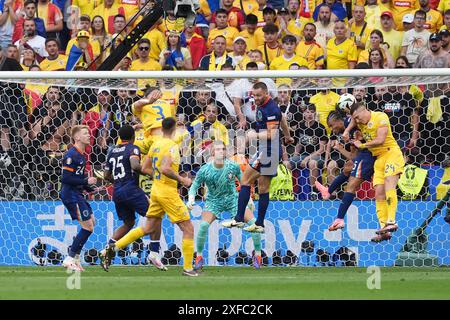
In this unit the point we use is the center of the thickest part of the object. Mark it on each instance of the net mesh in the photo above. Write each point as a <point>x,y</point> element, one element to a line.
<point>36,115</point>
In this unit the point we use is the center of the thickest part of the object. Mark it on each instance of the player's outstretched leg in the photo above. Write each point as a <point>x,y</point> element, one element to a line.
<point>337,182</point>
<point>391,204</point>
<point>187,247</point>
<point>256,259</point>
<point>201,239</point>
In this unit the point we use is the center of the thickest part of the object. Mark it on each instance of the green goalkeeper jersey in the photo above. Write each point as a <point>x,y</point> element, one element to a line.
<point>220,182</point>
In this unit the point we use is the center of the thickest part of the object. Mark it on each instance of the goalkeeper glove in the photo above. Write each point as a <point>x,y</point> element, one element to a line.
<point>191,202</point>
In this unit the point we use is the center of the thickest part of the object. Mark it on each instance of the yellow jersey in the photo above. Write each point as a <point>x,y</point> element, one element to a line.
<point>271,53</point>
<point>312,52</point>
<point>281,63</point>
<point>59,64</point>
<point>95,44</point>
<point>171,96</point>
<point>163,185</point>
<point>433,21</point>
<point>296,26</point>
<point>153,114</point>
<point>394,38</point>
<point>373,14</point>
<point>400,8</point>
<point>169,25</point>
<point>369,133</point>
<point>86,6</point>
<point>230,33</point>
<point>338,56</point>
<point>157,43</point>
<point>360,33</point>
<point>325,103</point>
<point>444,5</point>
<point>150,65</point>
<point>248,6</point>
<point>254,40</point>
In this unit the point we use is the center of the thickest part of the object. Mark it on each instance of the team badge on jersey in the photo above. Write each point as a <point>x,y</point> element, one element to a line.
<point>69,161</point>
<point>259,115</point>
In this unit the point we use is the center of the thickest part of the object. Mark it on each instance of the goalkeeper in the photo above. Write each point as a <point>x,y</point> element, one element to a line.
<point>219,177</point>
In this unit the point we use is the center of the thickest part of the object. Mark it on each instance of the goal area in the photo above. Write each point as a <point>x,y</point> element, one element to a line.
<point>37,110</point>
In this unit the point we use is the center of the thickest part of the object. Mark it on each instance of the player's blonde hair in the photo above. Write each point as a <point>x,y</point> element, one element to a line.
<point>76,129</point>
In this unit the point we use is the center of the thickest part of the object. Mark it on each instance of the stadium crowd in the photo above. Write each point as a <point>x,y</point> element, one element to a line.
<point>228,35</point>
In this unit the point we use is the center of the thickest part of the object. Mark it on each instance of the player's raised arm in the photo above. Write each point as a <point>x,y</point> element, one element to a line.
<point>382,133</point>
<point>151,95</point>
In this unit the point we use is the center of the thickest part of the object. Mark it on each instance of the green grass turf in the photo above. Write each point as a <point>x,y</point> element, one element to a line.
<point>225,283</point>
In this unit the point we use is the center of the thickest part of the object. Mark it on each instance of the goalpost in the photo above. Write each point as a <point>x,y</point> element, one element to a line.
<point>37,108</point>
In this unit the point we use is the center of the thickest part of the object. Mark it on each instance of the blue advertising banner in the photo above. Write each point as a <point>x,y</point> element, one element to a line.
<point>287,224</point>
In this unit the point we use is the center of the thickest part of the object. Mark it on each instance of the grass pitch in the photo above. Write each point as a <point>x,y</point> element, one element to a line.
<point>225,283</point>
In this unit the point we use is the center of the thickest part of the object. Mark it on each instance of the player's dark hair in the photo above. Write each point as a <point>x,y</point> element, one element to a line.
<point>356,106</point>
<point>362,65</point>
<point>149,90</point>
<point>260,85</point>
<point>120,16</point>
<point>143,40</point>
<point>126,133</point>
<point>29,2</point>
<point>168,124</point>
<point>52,40</point>
<point>251,19</point>
<point>289,39</point>
<point>447,12</point>
<point>335,116</point>
<point>270,28</point>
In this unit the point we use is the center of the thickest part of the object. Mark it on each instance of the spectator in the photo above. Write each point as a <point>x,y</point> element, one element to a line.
<point>28,58</point>
<point>283,21</point>
<point>401,108</point>
<point>29,12</point>
<point>85,25</point>
<point>196,45</point>
<point>324,27</point>
<point>52,16</point>
<point>337,9</point>
<point>269,17</point>
<point>241,93</point>
<point>446,25</point>
<point>359,32</point>
<point>433,21</point>
<point>289,109</point>
<point>435,56</point>
<point>158,41</point>
<point>240,58</point>
<point>408,22</point>
<point>271,47</point>
<point>191,104</point>
<point>373,9</point>
<point>341,51</point>
<point>12,52</point>
<point>217,58</point>
<point>235,16</point>
<point>207,129</point>
<point>311,140</point>
<point>415,41</point>
<point>324,102</point>
<point>445,36</point>
<point>309,49</point>
<point>100,35</point>
<point>293,7</point>
<point>254,36</point>
<point>143,62</point>
<point>392,37</point>
<point>31,40</point>
<point>222,90</point>
<point>402,62</point>
<point>399,9</point>
<point>288,57</point>
<point>54,60</point>
<point>377,42</point>
<point>120,32</point>
<point>298,19</point>
<point>174,55</point>
<point>8,16</point>
<point>256,56</point>
<point>222,29</point>
<point>108,10</point>
<point>376,59</point>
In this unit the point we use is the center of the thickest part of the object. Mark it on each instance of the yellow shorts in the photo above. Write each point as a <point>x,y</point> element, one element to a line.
<point>386,165</point>
<point>172,205</point>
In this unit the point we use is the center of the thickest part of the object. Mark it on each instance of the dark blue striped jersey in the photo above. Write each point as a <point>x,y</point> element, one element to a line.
<point>74,178</point>
<point>267,113</point>
<point>118,163</point>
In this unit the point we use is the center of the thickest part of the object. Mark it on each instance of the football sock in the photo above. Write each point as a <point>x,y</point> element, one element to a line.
<point>337,182</point>
<point>201,236</point>
<point>244,197</point>
<point>346,201</point>
<point>256,238</point>
<point>130,237</point>
<point>154,246</point>
<point>187,248</point>
<point>79,241</point>
<point>382,213</point>
<point>263,204</point>
<point>392,201</point>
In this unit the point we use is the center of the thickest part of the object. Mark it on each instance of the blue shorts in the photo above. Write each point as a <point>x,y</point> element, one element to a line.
<point>363,165</point>
<point>266,162</point>
<point>129,201</point>
<point>80,210</point>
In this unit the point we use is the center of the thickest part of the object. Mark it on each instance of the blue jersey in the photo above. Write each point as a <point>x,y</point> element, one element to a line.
<point>267,113</point>
<point>74,179</point>
<point>118,163</point>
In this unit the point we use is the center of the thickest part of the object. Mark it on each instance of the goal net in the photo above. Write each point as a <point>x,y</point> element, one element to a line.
<point>38,109</point>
